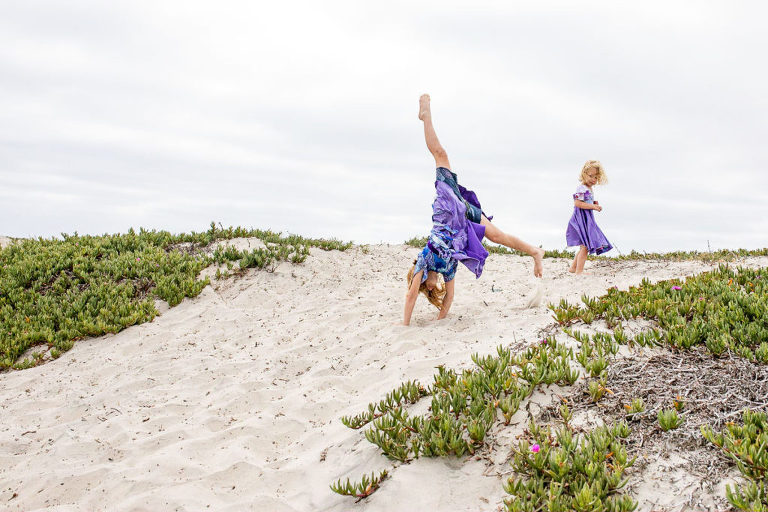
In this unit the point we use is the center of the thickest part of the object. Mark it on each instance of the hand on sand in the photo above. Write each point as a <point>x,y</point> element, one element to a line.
<point>424,109</point>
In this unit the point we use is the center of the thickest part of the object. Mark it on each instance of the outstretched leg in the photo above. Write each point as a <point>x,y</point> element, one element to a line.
<point>433,144</point>
<point>496,235</point>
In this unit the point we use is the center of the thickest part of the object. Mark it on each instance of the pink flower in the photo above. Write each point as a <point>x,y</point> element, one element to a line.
<point>535,448</point>
<point>677,287</point>
<point>543,342</point>
<point>138,259</point>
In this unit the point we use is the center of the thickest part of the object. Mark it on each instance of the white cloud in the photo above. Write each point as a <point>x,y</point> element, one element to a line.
<point>301,116</point>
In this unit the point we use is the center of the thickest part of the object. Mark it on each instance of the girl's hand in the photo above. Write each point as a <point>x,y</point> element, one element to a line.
<point>598,207</point>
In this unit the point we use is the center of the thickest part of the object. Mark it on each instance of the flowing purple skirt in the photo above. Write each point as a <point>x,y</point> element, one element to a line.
<point>583,230</point>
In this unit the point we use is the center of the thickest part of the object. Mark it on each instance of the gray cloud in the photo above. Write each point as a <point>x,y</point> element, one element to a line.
<point>302,117</point>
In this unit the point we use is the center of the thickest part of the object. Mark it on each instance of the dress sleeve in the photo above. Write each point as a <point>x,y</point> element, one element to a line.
<point>581,193</point>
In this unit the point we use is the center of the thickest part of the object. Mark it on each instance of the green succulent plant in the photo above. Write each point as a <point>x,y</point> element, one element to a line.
<point>724,310</point>
<point>464,406</point>
<point>362,489</point>
<point>54,292</point>
<point>563,471</point>
<point>669,419</point>
<point>747,446</point>
<point>636,407</point>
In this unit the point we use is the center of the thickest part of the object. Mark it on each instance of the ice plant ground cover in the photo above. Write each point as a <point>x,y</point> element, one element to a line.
<point>747,445</point>
<point>723,255</point>
<point>712,332</point>
<point>724,310</point>
<point>716,325</point>
<point>567,471</point>
<point>56,291</point>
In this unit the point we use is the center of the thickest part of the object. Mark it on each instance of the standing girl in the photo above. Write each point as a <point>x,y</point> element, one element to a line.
<point>458,228</point>
<point>582,228</point>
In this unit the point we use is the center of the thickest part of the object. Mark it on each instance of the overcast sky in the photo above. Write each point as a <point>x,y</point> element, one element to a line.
<point>301,116</point>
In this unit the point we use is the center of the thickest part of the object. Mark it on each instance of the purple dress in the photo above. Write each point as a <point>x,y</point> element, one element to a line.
<point>454,237</point>
<point>582,228</point>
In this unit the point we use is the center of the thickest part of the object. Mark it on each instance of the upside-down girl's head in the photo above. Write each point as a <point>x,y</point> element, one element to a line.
<point>593,173</point>
<point>432,288</point>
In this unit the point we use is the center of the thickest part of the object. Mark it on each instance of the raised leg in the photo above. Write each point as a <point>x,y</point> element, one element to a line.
<point>496,235</point>
<point>433,144</point>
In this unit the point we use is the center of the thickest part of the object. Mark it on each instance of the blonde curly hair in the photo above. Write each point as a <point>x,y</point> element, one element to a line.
<point>602,179</point>
<point>436,296</point>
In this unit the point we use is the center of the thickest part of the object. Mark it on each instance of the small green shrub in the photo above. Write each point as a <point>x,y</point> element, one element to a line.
<point>724,310</point>
<point>56,291</point>
<point>669,419</point>
<point>747,446</point>
<point>360,490</point>
<point>560,471</point>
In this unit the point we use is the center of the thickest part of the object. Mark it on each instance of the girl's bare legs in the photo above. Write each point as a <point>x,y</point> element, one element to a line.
<point>496,235</point>
<point>441,160</point>
<point>573,265</point>
<point>581,258</point>
<point>433,144</point>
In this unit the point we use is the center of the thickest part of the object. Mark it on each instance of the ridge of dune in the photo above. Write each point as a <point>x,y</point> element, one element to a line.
<point>231,401</point>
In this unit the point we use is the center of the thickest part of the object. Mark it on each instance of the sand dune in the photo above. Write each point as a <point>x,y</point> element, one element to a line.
<point>231,401</point>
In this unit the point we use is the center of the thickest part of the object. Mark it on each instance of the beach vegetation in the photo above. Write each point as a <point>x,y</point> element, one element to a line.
<point>562,470</point>
<point>407,393</point>
<point>746,445</point>
<point>719,256</point>
<point>464,405</point>
<point>597,389</point>
<point>725,310</point>
<point>56,291</point>
<point>635,408</point>
<point>669,419</point>
<point>362,489</point>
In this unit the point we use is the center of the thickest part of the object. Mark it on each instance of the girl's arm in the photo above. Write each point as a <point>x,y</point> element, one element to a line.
<point>586,206</point>
<point>447,300</point>
<point>410,297</point>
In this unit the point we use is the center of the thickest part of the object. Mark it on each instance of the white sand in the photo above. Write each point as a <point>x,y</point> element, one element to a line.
<point>231,401</point>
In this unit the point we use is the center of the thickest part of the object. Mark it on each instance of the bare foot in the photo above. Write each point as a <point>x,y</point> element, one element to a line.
<point>424,106</point>
<point>572,270</point>
<point>538,267</point>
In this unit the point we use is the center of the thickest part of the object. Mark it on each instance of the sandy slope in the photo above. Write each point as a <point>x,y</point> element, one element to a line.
<point>231,401</point>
